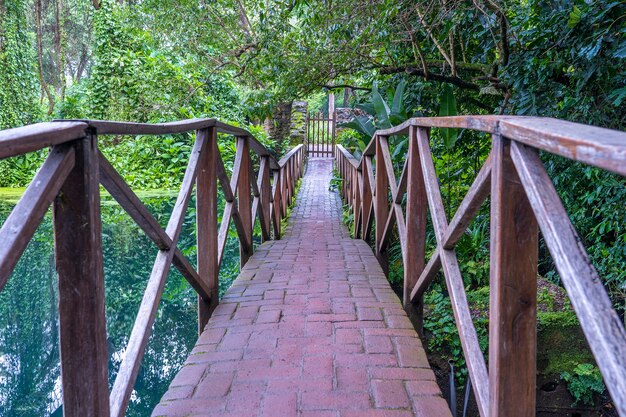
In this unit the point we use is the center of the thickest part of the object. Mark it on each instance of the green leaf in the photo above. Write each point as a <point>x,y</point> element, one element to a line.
<point>396,119</point>
<point>397,106</point>
<point>617,96</point>
<point>448,108</point>
<point>361,124</point>
<point>367,108</point>
<point>381,108</point>
<point>621,50</point>
<point>574,17</point>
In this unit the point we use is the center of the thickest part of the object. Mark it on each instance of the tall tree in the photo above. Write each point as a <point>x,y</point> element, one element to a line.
<point>18,82</point>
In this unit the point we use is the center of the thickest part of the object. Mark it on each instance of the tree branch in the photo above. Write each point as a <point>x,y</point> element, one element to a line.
<point>332,87</point>
<point>433,38</point>
<point>459,82</point>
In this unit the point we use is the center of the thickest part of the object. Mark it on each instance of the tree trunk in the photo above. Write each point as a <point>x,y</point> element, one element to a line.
<point>59,48</point>
<point>45,90</point>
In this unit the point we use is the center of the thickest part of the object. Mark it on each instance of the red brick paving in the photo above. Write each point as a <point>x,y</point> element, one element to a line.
<point>310,328</point>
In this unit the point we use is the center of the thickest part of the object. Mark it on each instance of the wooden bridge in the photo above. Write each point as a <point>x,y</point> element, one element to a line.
<point>311,326</point>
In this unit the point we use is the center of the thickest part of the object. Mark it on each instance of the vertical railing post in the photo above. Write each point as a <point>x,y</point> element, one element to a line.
<point>334,133</point>
<point>356,199</point>
<point>78,252</point>
<point>265,195</point>
<point>244,201</point>
<point>346,176</point>
<point>276,203</point>
<point>292,184</point>
<point>320,134</point>
<point>513,291</point>
<point>358,192</point>
<point>283,190</point>
<point>308,131</point>
<point>381,201</point>
<point>206,223</point>
<point>366,200</point>
<point>288,182</point>
<point>416,210</point>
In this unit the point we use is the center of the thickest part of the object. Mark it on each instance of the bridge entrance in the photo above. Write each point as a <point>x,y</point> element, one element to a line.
<point>321,135</point>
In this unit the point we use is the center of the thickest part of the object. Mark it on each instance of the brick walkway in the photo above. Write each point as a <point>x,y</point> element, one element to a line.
<point>310,328</point>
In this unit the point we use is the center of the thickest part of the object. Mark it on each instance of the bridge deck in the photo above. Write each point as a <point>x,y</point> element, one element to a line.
<point>310,328</point>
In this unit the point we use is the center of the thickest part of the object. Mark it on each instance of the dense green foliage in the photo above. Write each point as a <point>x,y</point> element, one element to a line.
<point>18,82</point>
<point>163,60</point>
<point>584,382</point>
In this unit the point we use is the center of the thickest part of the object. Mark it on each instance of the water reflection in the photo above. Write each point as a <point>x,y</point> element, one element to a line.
<point>29,357</point>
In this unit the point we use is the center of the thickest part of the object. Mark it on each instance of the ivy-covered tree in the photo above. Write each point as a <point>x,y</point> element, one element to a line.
<point>18,82</point>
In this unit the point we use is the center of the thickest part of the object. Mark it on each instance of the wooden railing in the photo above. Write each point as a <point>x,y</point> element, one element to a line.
<point>523,200</point>
<point>70,178</point>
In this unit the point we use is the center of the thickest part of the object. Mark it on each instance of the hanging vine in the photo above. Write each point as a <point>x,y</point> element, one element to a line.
<point>18,82</point>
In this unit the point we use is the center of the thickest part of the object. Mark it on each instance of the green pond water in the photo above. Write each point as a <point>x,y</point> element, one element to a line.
<point>30,383</point>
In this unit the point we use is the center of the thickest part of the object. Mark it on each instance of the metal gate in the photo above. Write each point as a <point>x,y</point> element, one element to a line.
<point>320,135</point>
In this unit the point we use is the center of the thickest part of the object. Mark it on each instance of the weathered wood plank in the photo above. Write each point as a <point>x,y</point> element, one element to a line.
<point>263,184</point>
<point>20,226</point>
<point>437,211</point>
<point>244,201</point>
<point>387,230</point>
<point>356,196</point>
<point>276,203</point>
<point>21,140</point>
<point>603,148</point>
<point>284,191</point>
<point>78,252</point>
<point>367,200</point>
<point>599,321</point>
<point>596,146</point>
<point>416,211</point>
<point>124,195</point>
<point>344,152</point>
<point>253,143</point>
<point>467,333</point>
<point>402,183</point>
<point>384,148</point>
<point>427,276</point>
<point>222,234</point>
<point>290,155</point>
<point>470,205</point>
<point>206,225</point>
<point>381,210</point>
<point>135,349</point>
<point>230,188</point>
<point>106,127</point>
<point>462,218</point>
<point>130,202</point>
<point>224,180</point>
<point>512,291</point>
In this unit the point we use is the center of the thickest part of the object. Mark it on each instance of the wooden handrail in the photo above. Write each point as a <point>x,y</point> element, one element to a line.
<point>595,146</point>
<point>70,178</point>
<point>523,201</point>
<point>31,138</point>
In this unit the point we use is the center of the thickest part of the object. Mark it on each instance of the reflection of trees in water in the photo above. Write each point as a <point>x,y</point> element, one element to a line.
<point>29,368</point>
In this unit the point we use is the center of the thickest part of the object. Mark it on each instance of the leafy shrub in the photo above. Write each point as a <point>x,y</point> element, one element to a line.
<point>584,382</point>
<point>352,141</point>
<point>443,336</point>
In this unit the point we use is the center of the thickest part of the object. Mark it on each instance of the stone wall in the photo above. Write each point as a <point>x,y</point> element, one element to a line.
<point>345,114</point>
<point>279,127</point>
<point>299,111</point>
<point>288,123</point>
